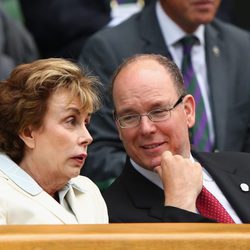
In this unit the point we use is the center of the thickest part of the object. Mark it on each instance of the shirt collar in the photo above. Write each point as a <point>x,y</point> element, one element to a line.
<point>70,185</point>
<point>150,175</point>
<point>18,175</point>
<point>25,181</point>
<point>172,33</point>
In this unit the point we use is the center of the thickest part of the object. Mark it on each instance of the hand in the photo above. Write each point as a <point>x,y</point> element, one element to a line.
<point>182,181</point>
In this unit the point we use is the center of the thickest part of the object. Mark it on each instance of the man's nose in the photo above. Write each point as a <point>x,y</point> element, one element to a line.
<point>146,125</point>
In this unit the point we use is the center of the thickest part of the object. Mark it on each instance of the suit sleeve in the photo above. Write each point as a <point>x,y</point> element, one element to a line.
<point>173,214</point>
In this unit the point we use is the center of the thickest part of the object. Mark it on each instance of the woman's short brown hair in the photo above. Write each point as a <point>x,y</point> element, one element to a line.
<point>24,97</point>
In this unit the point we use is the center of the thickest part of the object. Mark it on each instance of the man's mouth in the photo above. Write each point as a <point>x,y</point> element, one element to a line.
<point>152,146</point>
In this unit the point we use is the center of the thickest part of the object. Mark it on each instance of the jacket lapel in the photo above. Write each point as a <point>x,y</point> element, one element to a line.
<point>224,168</point>
<point>54,207</point>
<point>150,32</point>
<point>80,205</point>
<point>143,192</point>
<point>218,80</point>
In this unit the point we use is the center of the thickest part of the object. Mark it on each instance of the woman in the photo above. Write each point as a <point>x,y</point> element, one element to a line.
<point>45,107</point>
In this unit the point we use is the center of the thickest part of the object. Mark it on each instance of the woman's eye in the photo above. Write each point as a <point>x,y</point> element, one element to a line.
<point>71,121</point>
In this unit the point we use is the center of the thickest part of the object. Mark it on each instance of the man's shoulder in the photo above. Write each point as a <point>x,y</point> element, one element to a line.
<point>128,28</point>
<point>227,29</point>
<point>115,188</point>
<point>227,158</point>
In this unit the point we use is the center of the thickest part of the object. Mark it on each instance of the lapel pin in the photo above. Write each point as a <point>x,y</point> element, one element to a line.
<point>216,51</point>
<point>244,187</point>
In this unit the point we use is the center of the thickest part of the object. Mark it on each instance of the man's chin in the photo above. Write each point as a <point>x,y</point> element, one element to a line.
<point>155,162</point>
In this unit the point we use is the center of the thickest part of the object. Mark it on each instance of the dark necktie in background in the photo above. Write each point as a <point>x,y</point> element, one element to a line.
<point>200,132</point>
<point>208,206</point>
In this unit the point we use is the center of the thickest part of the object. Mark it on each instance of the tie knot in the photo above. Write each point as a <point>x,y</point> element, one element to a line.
<point>188,42</point>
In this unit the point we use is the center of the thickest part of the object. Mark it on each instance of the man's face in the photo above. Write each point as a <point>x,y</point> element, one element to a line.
<point>143,86</point>
<point>189,14</point>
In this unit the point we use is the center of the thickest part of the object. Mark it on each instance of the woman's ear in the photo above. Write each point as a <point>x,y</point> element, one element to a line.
<point>189,107</point>
<point>27,136</point>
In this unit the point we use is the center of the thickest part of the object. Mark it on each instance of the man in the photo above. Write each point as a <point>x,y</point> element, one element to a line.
<point>221,61</point>
<point>162,177</point>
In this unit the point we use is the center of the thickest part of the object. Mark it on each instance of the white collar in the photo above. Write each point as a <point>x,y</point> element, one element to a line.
<point>24,180</point>
<point>150,175</point>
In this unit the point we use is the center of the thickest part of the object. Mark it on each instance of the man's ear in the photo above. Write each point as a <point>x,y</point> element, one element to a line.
<point>27,135</point>
<point>189,107</point>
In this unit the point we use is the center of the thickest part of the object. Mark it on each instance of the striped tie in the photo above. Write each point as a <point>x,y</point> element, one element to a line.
<point>200,132</point>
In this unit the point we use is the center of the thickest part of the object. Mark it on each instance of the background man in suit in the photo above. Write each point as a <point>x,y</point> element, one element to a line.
<point>162,179</point>
<point>220,59</point>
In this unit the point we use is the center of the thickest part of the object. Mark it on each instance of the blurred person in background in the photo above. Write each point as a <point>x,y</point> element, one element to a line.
<point>60,27</point>
<point>16,44</point>
<point>220,57</point>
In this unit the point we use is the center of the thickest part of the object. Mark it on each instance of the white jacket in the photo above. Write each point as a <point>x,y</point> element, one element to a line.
<point>23,201</point>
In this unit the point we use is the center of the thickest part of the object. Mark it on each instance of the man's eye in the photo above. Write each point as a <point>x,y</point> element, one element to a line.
<point>159,113</point>
<point>130,118</point>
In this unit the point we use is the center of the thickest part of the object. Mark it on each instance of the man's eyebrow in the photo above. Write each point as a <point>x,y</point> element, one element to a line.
<point>128,111</point>
<point>158,105</point>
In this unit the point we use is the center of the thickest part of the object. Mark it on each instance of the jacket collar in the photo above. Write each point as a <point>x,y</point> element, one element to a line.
<point>18,176</point>
<point>228,175</point>
<point>140,188</point>
<point>24,180</point>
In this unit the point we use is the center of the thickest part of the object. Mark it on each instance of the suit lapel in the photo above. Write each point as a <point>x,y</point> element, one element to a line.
<point>150,32</point>
<point>143,192</point>
<point>218,79</point>
<point>81,206</point>
<point>54,207</point>
<point>224,168</point>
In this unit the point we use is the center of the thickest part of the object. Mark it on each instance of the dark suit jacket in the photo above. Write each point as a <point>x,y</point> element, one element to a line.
<point>228,78</point>
<point>133,198</point>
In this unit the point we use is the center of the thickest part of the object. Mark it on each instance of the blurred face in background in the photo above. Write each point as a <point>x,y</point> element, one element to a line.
<point>189,14</point>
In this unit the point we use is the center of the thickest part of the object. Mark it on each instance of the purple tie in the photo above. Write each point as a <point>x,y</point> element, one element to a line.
<point>200,132</point>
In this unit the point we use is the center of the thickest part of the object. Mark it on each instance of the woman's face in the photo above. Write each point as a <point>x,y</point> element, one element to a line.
<point>57,151</point>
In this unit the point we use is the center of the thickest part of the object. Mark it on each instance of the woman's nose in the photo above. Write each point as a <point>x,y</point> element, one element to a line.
<point>85,138</point>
